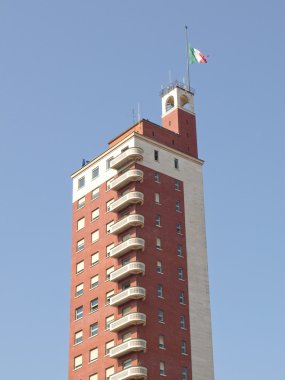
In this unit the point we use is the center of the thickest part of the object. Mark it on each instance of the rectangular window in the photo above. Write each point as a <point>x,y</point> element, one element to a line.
<point>80,267</point>
<point>109,372</point>
<point>159,291</point>
<point>108,346</point>
<point>160,316</point>
<point>81,202</point>
<point>156,155</point>
<point>125,261</point>
<point>93,354</point>
<point>157,221</point>
<point>157,198</point>
<point>78,337</point>
<point>157,177</point>
<point>95,172</point>
<point>184,373</point>
<point>78,362</point>
<point>95,236</point>
<point>127,363</point>
<point>108,163</point>
<point>80,245</point>
<point>178,228</point>
<point>94,281</point>
<point>109,295</point>
<point>161,341</point>
<point>78,313</point>
<point>159,267</point>
<point>94,329</point>
<point>94,258</point>
<point>127,336</point>
<point>162,368</point>
<point>179,250</point>
<point>109,320</point>
<point>81,182</point>
<point>178,206</point>
<point>95,193</point>
<point>108,184</point>
<point>108,273</point>
<point>182,298</point>
<point>177,184</point>
<point>109,249</point>
<point>80,224</point>
<point>180,274</point>
<point>95,214</point>
<point>108,226</point>
<point>126,310</point>
<point>108,204</point>
<point>79,290</point>
<point>158,243</point>
<point>94,305</point>
<point>182,322</point>
<point>176,163</point>
<point>183,347</point>
<point>94,376</point>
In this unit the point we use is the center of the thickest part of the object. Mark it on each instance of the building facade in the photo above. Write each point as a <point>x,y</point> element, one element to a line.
<point>140,304</point>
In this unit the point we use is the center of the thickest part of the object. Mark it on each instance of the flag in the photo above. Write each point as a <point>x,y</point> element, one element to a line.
<point>196,56</point>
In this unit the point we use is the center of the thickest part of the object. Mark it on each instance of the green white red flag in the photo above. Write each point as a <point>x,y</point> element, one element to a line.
<point>196,56</point>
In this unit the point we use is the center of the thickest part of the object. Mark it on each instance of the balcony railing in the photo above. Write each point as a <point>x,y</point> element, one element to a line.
<point>128,320</point>
<point>126,347</point>
<point>134,292</point>
<point>127,270</point>
<point>126,246</point>
<point>131,154</point>
<point>125,178</point>
<point>137,372</point>
<point>130,198</point>
<point>132,220</point>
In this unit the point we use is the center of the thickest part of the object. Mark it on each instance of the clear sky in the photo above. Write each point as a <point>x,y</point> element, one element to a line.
<point>70,74</point>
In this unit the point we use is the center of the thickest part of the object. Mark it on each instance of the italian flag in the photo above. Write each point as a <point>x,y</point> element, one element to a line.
<point>196,56</point>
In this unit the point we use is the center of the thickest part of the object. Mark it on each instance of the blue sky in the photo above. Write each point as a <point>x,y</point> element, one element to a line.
<point>71,73</point>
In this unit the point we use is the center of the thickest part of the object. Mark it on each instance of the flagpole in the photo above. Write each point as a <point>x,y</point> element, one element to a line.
<point>187,52</point>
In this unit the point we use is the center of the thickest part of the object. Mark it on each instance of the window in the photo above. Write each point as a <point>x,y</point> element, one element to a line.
<point>157,220</point>
<point>108,346</point>
<point>156,155</point>
<point>179,250</point>
<point>95,172</point>
<point>81,182</point>
<point>94,376</point>
<point>93,354</point>
<point>125,261</point>
<point>157,198</point>
<point>81,202</point>
<point>184,373</point>
<point>108,204</point>
<point>94,258</point>
<point>108,226</point>
<point>78,362</point>
<point>108,273</point>
<point>176,163</point>
<point>161,341</point>
<point>127,363</point>
<point>177,184</point>
<point>126,237</point>
<point>126,285</point>
<point>158,243</point>
<point>80,267</point>
<point>109,372</point>
<point>95,236</point>
<point>108,184</point>
<point>160,291</point>
<point>180,274</point>
<point>178,228</point>
<point>109,249</point>
<point>127,336</point>
<point>109,320</point>
<point>109,295</point>
<point>183,347</point>
<point>95,193</point>
<point>160,316</point>
<point>182,322</point>
<point>157,177</point>
<point>162,368</point>
<point>80,224</point>
<point>94,305</point>
<point>108,163</point>
<point>95,214</point>
<point>94,281</point>
<point>182,298</point>
<point>78,337</point>
<point>159,267</point>
<point>80,245</point>
<point>178,206</point>
<point>78,312</point>
<point>94,329</point>
<point>126,310</point>
<point>79,290</point>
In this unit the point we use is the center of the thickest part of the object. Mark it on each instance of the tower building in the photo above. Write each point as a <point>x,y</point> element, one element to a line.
<point>140,304</point>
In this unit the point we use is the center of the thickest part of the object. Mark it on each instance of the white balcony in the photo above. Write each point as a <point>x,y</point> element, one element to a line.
<point>131,345</point>
<point>128,320</point>
<point>131,198</point>
<point>131,175</point>
<point>127,270</point>
<point>129,155</point>
<point>126,246</point>
<point>132,293</point>
<point>137,372</point>
<point>132,220</point>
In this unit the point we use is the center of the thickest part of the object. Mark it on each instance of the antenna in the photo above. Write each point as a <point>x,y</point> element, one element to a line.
<point>134,117</point>
<point>139,116</point>
<point>187,52</point>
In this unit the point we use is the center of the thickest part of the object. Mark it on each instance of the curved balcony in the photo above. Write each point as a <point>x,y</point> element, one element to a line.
<point>132,345</point>
<point>129,155</point>
<point>126,246</point>
<point>136,372</point>
<point>127,270</point>
<point>131,198</point>
<point>132,293</point>
<point>132,220</point>
<point>128,320</point>
<point>126,178</point>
